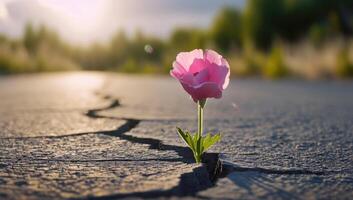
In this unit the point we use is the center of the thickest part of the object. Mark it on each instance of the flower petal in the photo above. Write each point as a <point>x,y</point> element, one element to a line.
<point>177,71</point>
<point>188,78</point>
<point>213,57</point>
<point>218,75</point>
<point>203,91</point>
<point>198,65</point>
<point>202,77</point>
<point>187,58</point>
<point>226,80</point>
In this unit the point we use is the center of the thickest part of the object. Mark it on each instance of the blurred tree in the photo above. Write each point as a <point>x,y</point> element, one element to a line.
<point>345,16</point>
<point>253,59</point>
<point>95,57</point>
<point>147,48</point>
<point>3,39</point>
<point>275,66</point>
<point>30,39</point>
<point>252,31</point>
<point>344,67</point>
<point>226,29</point>
<point>292,19</point>
<point>130,66</point>
<point>317,34</point>
<point>261,19</point>
<point>184,39</point>
<point>50,39</point>
<point>118,49</point>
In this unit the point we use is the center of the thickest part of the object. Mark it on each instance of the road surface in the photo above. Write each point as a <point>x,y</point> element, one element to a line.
<point>108,136</point>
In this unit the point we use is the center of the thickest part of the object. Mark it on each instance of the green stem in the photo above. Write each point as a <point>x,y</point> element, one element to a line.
<point>197,158</point>
<point>198,153</point>
<point>200,118</point>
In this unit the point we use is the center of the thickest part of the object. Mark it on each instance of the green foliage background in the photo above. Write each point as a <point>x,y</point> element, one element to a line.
<point>250,36</point>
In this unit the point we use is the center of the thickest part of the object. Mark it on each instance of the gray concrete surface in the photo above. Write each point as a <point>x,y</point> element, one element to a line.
<point>80,135</point>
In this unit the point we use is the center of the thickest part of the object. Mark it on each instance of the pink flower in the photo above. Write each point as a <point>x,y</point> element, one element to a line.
<point>202,74</point>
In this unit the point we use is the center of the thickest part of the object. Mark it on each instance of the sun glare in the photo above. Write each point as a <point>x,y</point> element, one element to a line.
<point>82,16</point>
<point>3,11</point>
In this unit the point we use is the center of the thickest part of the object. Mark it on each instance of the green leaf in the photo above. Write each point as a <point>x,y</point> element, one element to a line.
<point>197,140</point>
<point>195,137</point>
<point>197,143</point>
<point>191,142</point>
<point>209,140</point>
<point>187,138</point>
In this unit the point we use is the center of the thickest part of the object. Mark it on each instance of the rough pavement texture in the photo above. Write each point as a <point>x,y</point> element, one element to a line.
<point>286,139</point>
<point>35,124</point>
<point>51,147</point>
<point>59,93</point>
<point>79,135</point>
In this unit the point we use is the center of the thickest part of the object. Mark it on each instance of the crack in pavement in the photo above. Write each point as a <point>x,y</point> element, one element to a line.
<point>201,178</point>
<point>204,175</point>
<point>129,125</point>
<point>216,167</point>
<point>228,166</point>
<point>189,183</point>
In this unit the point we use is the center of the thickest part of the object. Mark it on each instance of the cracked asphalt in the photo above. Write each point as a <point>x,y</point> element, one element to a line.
<point>111,136</point>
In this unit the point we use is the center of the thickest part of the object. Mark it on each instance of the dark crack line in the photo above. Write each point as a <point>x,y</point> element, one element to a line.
<point>186,187</point>
<point>190,184</point>
<point>201,178</point>
<point>93,112</point>
<point>129,125</point>
<point>156,144</point>
<point>211,159</point>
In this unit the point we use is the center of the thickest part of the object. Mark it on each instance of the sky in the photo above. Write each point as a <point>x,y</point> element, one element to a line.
<point>86,21</point>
